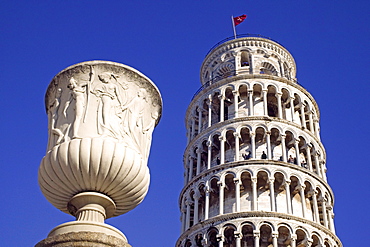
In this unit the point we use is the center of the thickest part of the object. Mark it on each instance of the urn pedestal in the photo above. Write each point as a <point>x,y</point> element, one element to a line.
<point>101,116</point>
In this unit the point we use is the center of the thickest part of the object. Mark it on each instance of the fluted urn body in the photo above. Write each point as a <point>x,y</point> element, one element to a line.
<point>101,116</point>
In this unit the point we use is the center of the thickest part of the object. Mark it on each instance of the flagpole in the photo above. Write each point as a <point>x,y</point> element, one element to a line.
<point>232,21</point>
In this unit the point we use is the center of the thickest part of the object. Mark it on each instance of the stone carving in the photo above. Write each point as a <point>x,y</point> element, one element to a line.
<point>101,118</point>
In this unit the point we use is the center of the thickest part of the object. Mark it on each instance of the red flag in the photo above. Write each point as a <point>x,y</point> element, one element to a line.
<point>239,19</point>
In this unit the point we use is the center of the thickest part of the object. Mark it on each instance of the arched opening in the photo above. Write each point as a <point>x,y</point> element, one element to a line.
<point>285,103</point>
<point>229,104</point>
<point>215,108</point>
<point>229,194</point>
<point>243,106</point>
<point>196,121</point>
<point>297,117</point>
<point>307,112</point>
<point>261,147</point>
<point>280,193</point>
<point>290,148</point>
<point>214,198</point>
<point>286,71</point>
<point>321,206</point>
<point>315,240</point>
<point>284,237</point>
<point>258,109</point>
<point>265,236</point>
<point>225,70</point>
<point>263,192</point>
<point>248,238</point>
<point>268,69</point>
<point>302,152</point>
<point>230,146</point>
<point>198,239</point>
<point>229,235</point>
<point>301,238</point>
<point>246,194</point>
<point>295,196</point>
<point>215,150</point>
<point>276,149</point>
<point>244,59</point>
<point>187,243</point>
<point>204,156</point>
<point>309,201</point>
<point>194,162</point>
<point>272,103</point>
<point>245,144</point>
<point>191,203</point>
<point>212,237</point>
<point>201,202</point>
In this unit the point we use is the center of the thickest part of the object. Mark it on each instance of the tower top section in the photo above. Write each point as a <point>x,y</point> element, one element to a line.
<point>247,55</point>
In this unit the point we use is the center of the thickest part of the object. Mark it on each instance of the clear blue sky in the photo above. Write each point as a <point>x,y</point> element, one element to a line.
<point>167,41</point>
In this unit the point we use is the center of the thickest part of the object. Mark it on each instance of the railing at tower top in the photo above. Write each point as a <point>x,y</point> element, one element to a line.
<point>240,36</point>
<point>214,80</point>
<point>220,77</point>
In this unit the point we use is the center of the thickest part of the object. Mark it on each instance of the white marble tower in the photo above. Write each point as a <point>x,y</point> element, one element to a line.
<point>255,173</point>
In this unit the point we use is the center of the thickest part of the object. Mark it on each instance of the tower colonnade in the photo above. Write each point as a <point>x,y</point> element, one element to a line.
<point>255,167</point>
<point>246,97</point>
<point>238,140</point>
<point>257,187</point>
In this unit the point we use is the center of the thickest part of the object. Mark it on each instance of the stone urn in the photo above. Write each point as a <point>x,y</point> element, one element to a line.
<point>101,116</point>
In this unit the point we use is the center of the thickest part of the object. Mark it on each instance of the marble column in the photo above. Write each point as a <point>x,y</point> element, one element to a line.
<point>331,219</point>
<point>222,147</point>
<point>253,145</point>
<point>274,239</point>
<point>200,116</point>
<point>199,152</point>
<point>292,107</point>
<point>303,199</point>
<point>293,240</point>
<point>256,235</point>
<point>250,97</point>
<point>209,154</point>
<point>323,209</point>
<point>236,110</point>
<point>317,163</point>
<point>283,148</point>
<point>288,199</point>
<point>309,160</point>
<point>237,146</point>
<point>222,107</point>
<point>272,194</point>
<point>303,117</point>
<point>237,193</point>
<point>206,201</point>
<point>254,191</point>
<point>209,110</point>
<point>296,147</point>
<point>187,218</point>
<point>196,207</point>
<point>220,239</point>
<point>264,93</point>
<point>221,196</point>
<point>238,238</point>
<point>192,128</point>
<point>268,144</point>
<point>311,121</point>
<point>280,110</point>
<point>315,207</point>
<point>191,163</point>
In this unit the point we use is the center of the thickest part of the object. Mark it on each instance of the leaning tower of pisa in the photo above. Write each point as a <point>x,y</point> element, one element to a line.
<point>255,168</point>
